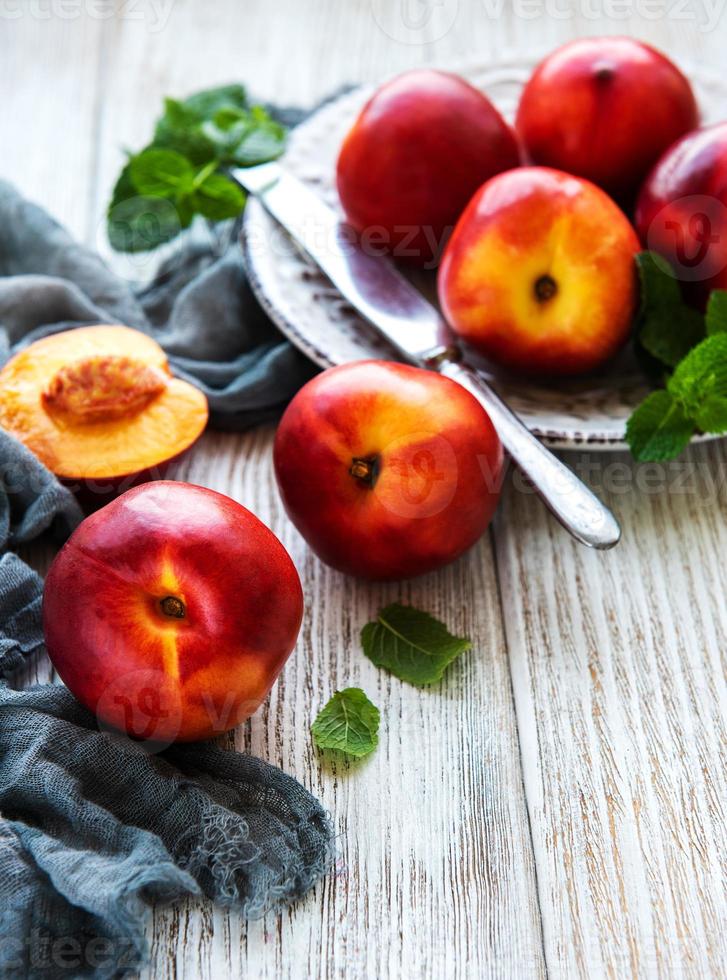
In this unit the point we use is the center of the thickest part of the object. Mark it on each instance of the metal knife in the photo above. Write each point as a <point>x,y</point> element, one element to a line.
<point>381,294</point>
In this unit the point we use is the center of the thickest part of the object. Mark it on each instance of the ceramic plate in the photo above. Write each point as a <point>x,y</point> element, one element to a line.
<point>588,413</point>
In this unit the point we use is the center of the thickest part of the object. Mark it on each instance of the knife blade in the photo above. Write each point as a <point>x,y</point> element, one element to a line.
<point>386,299</point>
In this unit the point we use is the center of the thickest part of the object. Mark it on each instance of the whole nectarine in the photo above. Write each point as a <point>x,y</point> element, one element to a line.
<point>388,471</point>
<point>605,108</point>
<point>420,148</point>
<point>682,211</point>
<point>539,274</point>
<point>171,611</point>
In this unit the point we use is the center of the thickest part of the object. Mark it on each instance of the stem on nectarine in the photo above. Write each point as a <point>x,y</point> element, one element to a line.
<point>173,607</point>
<point>365,470</point>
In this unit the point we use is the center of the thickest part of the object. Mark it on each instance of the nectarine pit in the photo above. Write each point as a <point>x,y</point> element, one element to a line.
<point>365,469</point>
<point>100,388</point>
<point>545,288</point>
<point>173,607</point>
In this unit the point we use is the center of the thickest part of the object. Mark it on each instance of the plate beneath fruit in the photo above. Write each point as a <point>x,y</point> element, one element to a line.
<point>589,412</point>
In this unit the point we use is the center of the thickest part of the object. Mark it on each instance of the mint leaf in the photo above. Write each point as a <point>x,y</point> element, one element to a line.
<point>195,141</point>
<point>180,129</point>
<point>411,644</point>
<point>717,312</point>
<point>218,197</point>
<point>261,141</point>
<point>712,415</point>
<point>701,375</point>
<point>219,124</point>
<point>207,103</point>
<point>658,429</point>
<point>348,723</point>
<point>667,328</point>
<point>695,397</point>
<point>228,117</point>
<point>161,173</point>
<point>139,224</point>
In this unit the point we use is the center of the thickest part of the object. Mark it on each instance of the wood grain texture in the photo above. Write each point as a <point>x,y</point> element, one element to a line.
<point>50,75</point>
<point>616,661</point>
<point>435,865</point>
<point>618,667</point>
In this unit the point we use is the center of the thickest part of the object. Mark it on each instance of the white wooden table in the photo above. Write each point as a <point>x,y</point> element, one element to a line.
<point>557,804</point>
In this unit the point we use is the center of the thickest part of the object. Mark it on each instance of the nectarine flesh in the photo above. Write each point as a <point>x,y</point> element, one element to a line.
<point>99,403</point>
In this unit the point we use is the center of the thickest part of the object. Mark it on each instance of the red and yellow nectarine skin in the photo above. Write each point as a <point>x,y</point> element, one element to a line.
<point>171,611</point>
<point>605,109</point>
<point>388,471</point>
<point>420,148</point>
<point>539,274</point>
<point>682,211</point>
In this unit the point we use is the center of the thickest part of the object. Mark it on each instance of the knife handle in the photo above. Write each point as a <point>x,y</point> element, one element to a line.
<point>576,507</point>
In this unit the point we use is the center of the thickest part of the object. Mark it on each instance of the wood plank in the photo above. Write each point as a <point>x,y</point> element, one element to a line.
<point>49,72</point>
<point>618,669</point>
<point>435,870</point>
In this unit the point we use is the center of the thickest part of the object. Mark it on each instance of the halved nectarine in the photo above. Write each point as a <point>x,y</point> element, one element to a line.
<point>99,405</point>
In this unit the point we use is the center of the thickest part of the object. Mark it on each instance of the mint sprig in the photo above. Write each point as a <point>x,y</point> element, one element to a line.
<point>716,318</point>
<point>411,644</point>
<point>695,347</point>
<point>185,169</point>
<point>348,723</point>
<point>658,429</point>
<point>666,328</point>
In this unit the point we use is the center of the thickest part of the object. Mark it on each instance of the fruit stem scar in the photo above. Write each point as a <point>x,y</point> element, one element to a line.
<point>545,288</point>
<point>173,607</point>
<point>603,71</point>
<point>365,470</point>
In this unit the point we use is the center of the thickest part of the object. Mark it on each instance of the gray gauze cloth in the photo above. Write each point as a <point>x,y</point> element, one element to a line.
<point>200,308</point>
<point>92,826</point>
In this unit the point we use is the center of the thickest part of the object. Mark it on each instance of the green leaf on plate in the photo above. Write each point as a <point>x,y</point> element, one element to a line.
<point>667,328</point>
<point>658,429</point>
<point>348,723</point>
<point>717,312</point>
<point>701,375</point>
<point>411,644</point>
<point>712,415</point>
